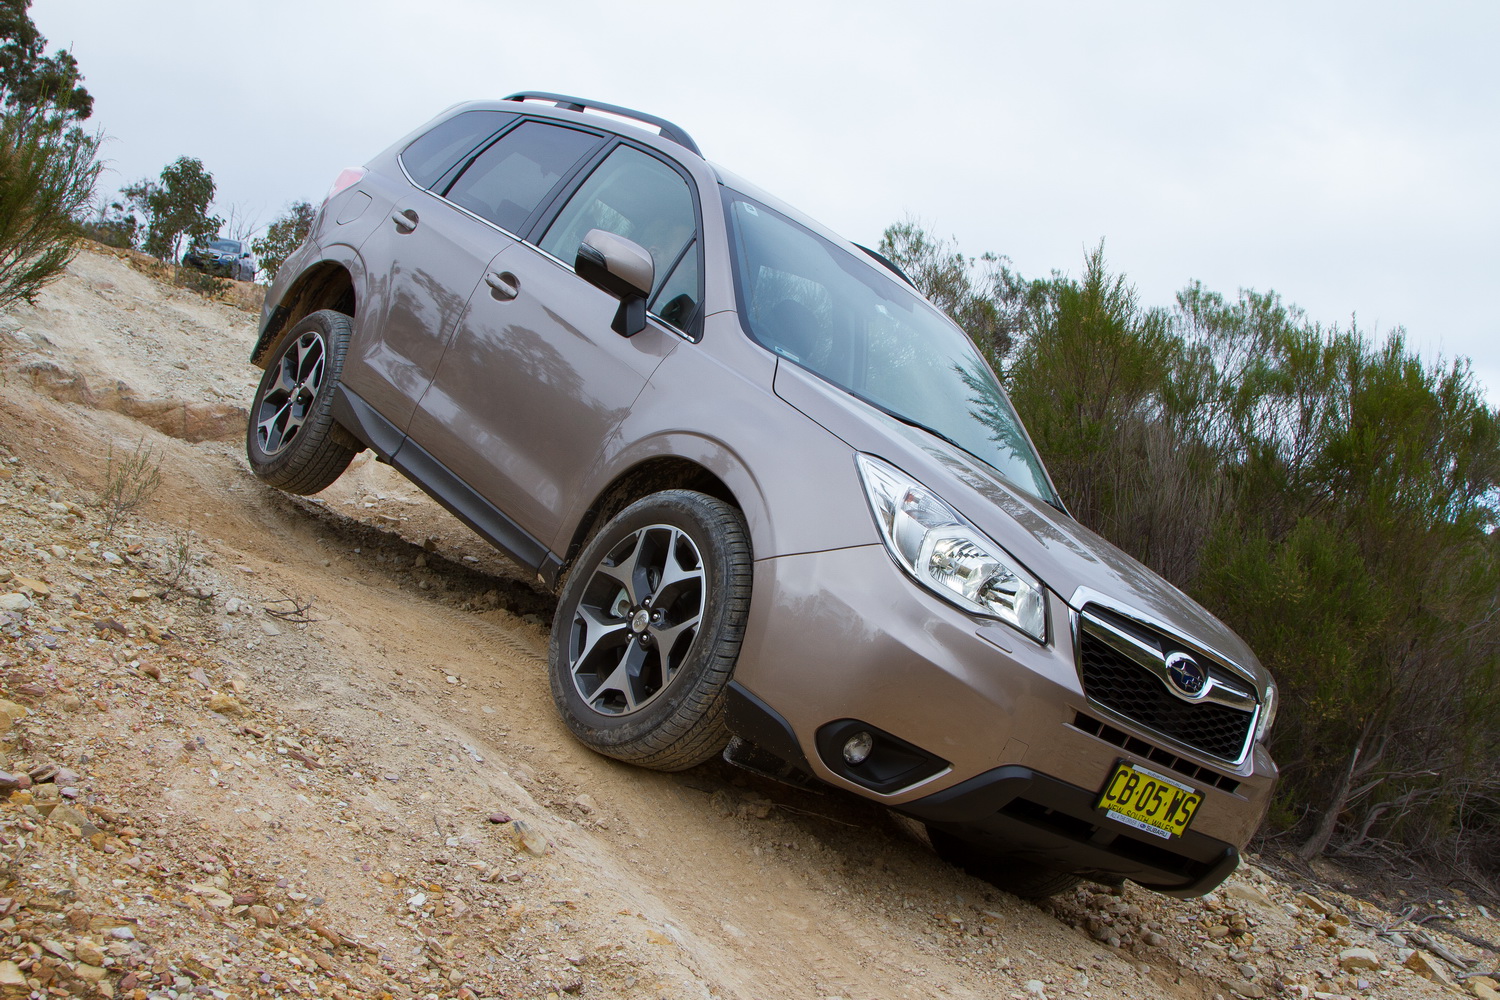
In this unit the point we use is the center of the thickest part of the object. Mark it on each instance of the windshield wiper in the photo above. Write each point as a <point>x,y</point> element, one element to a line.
<point>1052,501</point>
<point>908,421</point>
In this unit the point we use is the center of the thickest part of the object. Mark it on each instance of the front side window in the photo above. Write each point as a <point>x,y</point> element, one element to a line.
<point>430,155</point>
<point>642,199</point>
<point>677,300</point>
<point>507,181</point>
<point>852,324</point>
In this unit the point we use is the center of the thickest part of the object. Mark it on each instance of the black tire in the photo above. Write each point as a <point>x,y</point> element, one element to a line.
<point>648,627</point>
<point>292,440</point>
<point>1017,877</point>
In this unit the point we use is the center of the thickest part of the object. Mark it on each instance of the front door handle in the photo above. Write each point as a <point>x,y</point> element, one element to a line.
<point>405,221</point>
<point>503,285</point>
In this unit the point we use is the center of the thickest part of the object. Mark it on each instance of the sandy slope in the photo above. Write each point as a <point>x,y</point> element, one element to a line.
<point>365,775</point>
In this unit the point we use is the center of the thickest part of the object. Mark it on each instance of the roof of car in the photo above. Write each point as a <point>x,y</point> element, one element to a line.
<point>619,117</point>
<point>667,130</point>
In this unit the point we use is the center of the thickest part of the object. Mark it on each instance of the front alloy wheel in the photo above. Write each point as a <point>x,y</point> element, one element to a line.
<point>292,440</point>
<point>648,627</point>
<point>636,620</point>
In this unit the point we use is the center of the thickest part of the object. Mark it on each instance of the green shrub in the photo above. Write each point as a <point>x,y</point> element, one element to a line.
<point>47,177</point>
<point>194,280</point>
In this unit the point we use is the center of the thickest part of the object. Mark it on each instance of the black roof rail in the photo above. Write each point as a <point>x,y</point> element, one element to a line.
<point>888,263</point>
<point>668,130</point>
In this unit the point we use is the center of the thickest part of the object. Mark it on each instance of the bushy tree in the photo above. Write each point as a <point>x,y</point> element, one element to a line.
<point>1356,556</point>
<point>48,166</point>
<point>283,236</point>
<point>36,85</point>
<point>175,207</point>
<point>1094,374</point>
<point>115,225</point>
<point>1332,497</point>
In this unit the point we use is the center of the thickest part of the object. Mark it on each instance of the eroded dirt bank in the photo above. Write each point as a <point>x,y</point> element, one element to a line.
<point>258,745</point>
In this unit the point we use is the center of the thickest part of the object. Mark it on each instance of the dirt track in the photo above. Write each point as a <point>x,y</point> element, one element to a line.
<point>382,740</point>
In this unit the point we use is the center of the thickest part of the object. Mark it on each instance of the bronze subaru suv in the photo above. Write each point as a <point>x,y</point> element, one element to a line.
<point>790,515</point>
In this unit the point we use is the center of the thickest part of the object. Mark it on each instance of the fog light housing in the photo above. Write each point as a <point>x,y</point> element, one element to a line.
<point>857,748</point>
<point>873,758</point>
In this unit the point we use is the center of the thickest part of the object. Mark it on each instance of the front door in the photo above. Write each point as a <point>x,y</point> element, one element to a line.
<point>534,382</point>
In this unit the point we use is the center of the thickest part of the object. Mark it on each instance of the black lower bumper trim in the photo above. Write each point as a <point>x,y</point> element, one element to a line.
<point>752,720</point>
<point>1022,813</point>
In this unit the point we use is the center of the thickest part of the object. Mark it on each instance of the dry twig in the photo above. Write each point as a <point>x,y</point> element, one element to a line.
<point>298,611</point>
<point>1442,951</point>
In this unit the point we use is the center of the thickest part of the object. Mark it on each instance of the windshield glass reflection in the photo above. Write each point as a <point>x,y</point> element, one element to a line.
<point>855,325</point>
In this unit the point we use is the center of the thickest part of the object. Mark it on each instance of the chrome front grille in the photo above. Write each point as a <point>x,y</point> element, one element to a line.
<point>1124,668</point>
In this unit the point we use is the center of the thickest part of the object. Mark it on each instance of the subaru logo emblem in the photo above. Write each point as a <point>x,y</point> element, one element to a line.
<point>1186,674</point>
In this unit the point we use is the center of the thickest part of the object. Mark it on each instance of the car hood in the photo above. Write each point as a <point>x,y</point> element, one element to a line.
<point>1078,565</point>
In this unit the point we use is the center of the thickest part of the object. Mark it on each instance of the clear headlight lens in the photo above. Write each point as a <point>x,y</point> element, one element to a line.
<point>949,556</point>
<point>1267,714</point>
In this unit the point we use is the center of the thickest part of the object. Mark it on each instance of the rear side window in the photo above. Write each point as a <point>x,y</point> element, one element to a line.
<point>507,182</point>
<point>427,158</point>
<point>638,197</point>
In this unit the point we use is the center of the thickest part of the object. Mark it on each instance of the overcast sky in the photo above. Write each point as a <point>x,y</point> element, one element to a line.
<point>1343,154</point>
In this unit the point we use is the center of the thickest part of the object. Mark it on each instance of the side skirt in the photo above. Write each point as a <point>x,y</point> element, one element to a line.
<point>443,485</point>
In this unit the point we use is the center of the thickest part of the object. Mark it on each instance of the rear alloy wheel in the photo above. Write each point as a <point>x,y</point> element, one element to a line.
<point>648,627</point>
<point>292,441</point>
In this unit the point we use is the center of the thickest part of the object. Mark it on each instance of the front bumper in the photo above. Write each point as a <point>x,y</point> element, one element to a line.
<point>212,265</point>
<point>1022,813</point>
<point>844,634</point>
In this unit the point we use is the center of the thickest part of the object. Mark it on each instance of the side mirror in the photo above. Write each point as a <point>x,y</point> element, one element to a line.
<point>624,269</point>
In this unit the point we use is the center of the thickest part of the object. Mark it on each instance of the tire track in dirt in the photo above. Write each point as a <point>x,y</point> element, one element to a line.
<point>680,850</point>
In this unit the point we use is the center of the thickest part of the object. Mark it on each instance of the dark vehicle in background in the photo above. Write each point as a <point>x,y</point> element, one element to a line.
<point>789,513</point>
<point>223,257</point>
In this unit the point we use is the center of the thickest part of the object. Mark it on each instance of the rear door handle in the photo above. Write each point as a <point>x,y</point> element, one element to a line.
<point>405,221</point>
<point>503,285</point>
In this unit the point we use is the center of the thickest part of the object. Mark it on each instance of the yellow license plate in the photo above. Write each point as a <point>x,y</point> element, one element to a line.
<point>1150,802</point>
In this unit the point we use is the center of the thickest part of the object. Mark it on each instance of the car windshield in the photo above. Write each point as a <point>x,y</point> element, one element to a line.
<point>850,322</point>
<point>223,246</point>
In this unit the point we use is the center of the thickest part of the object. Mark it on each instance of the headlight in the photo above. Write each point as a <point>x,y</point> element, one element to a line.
<point>1267,714</point>
<point>949,556</point>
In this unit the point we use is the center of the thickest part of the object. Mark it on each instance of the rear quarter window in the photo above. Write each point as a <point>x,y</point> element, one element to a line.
<point>428,157</point>
<point>511,179</point>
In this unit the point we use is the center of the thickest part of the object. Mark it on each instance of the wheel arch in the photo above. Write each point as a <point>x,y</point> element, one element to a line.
<point>706,469</point>
<point>328,284</point>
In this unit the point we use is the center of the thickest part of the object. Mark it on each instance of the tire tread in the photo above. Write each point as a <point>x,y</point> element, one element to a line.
<point>318,455</point>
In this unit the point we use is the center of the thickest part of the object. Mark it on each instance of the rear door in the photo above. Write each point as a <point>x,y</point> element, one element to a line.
<point>435,242</point>
<point>535,382</point>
